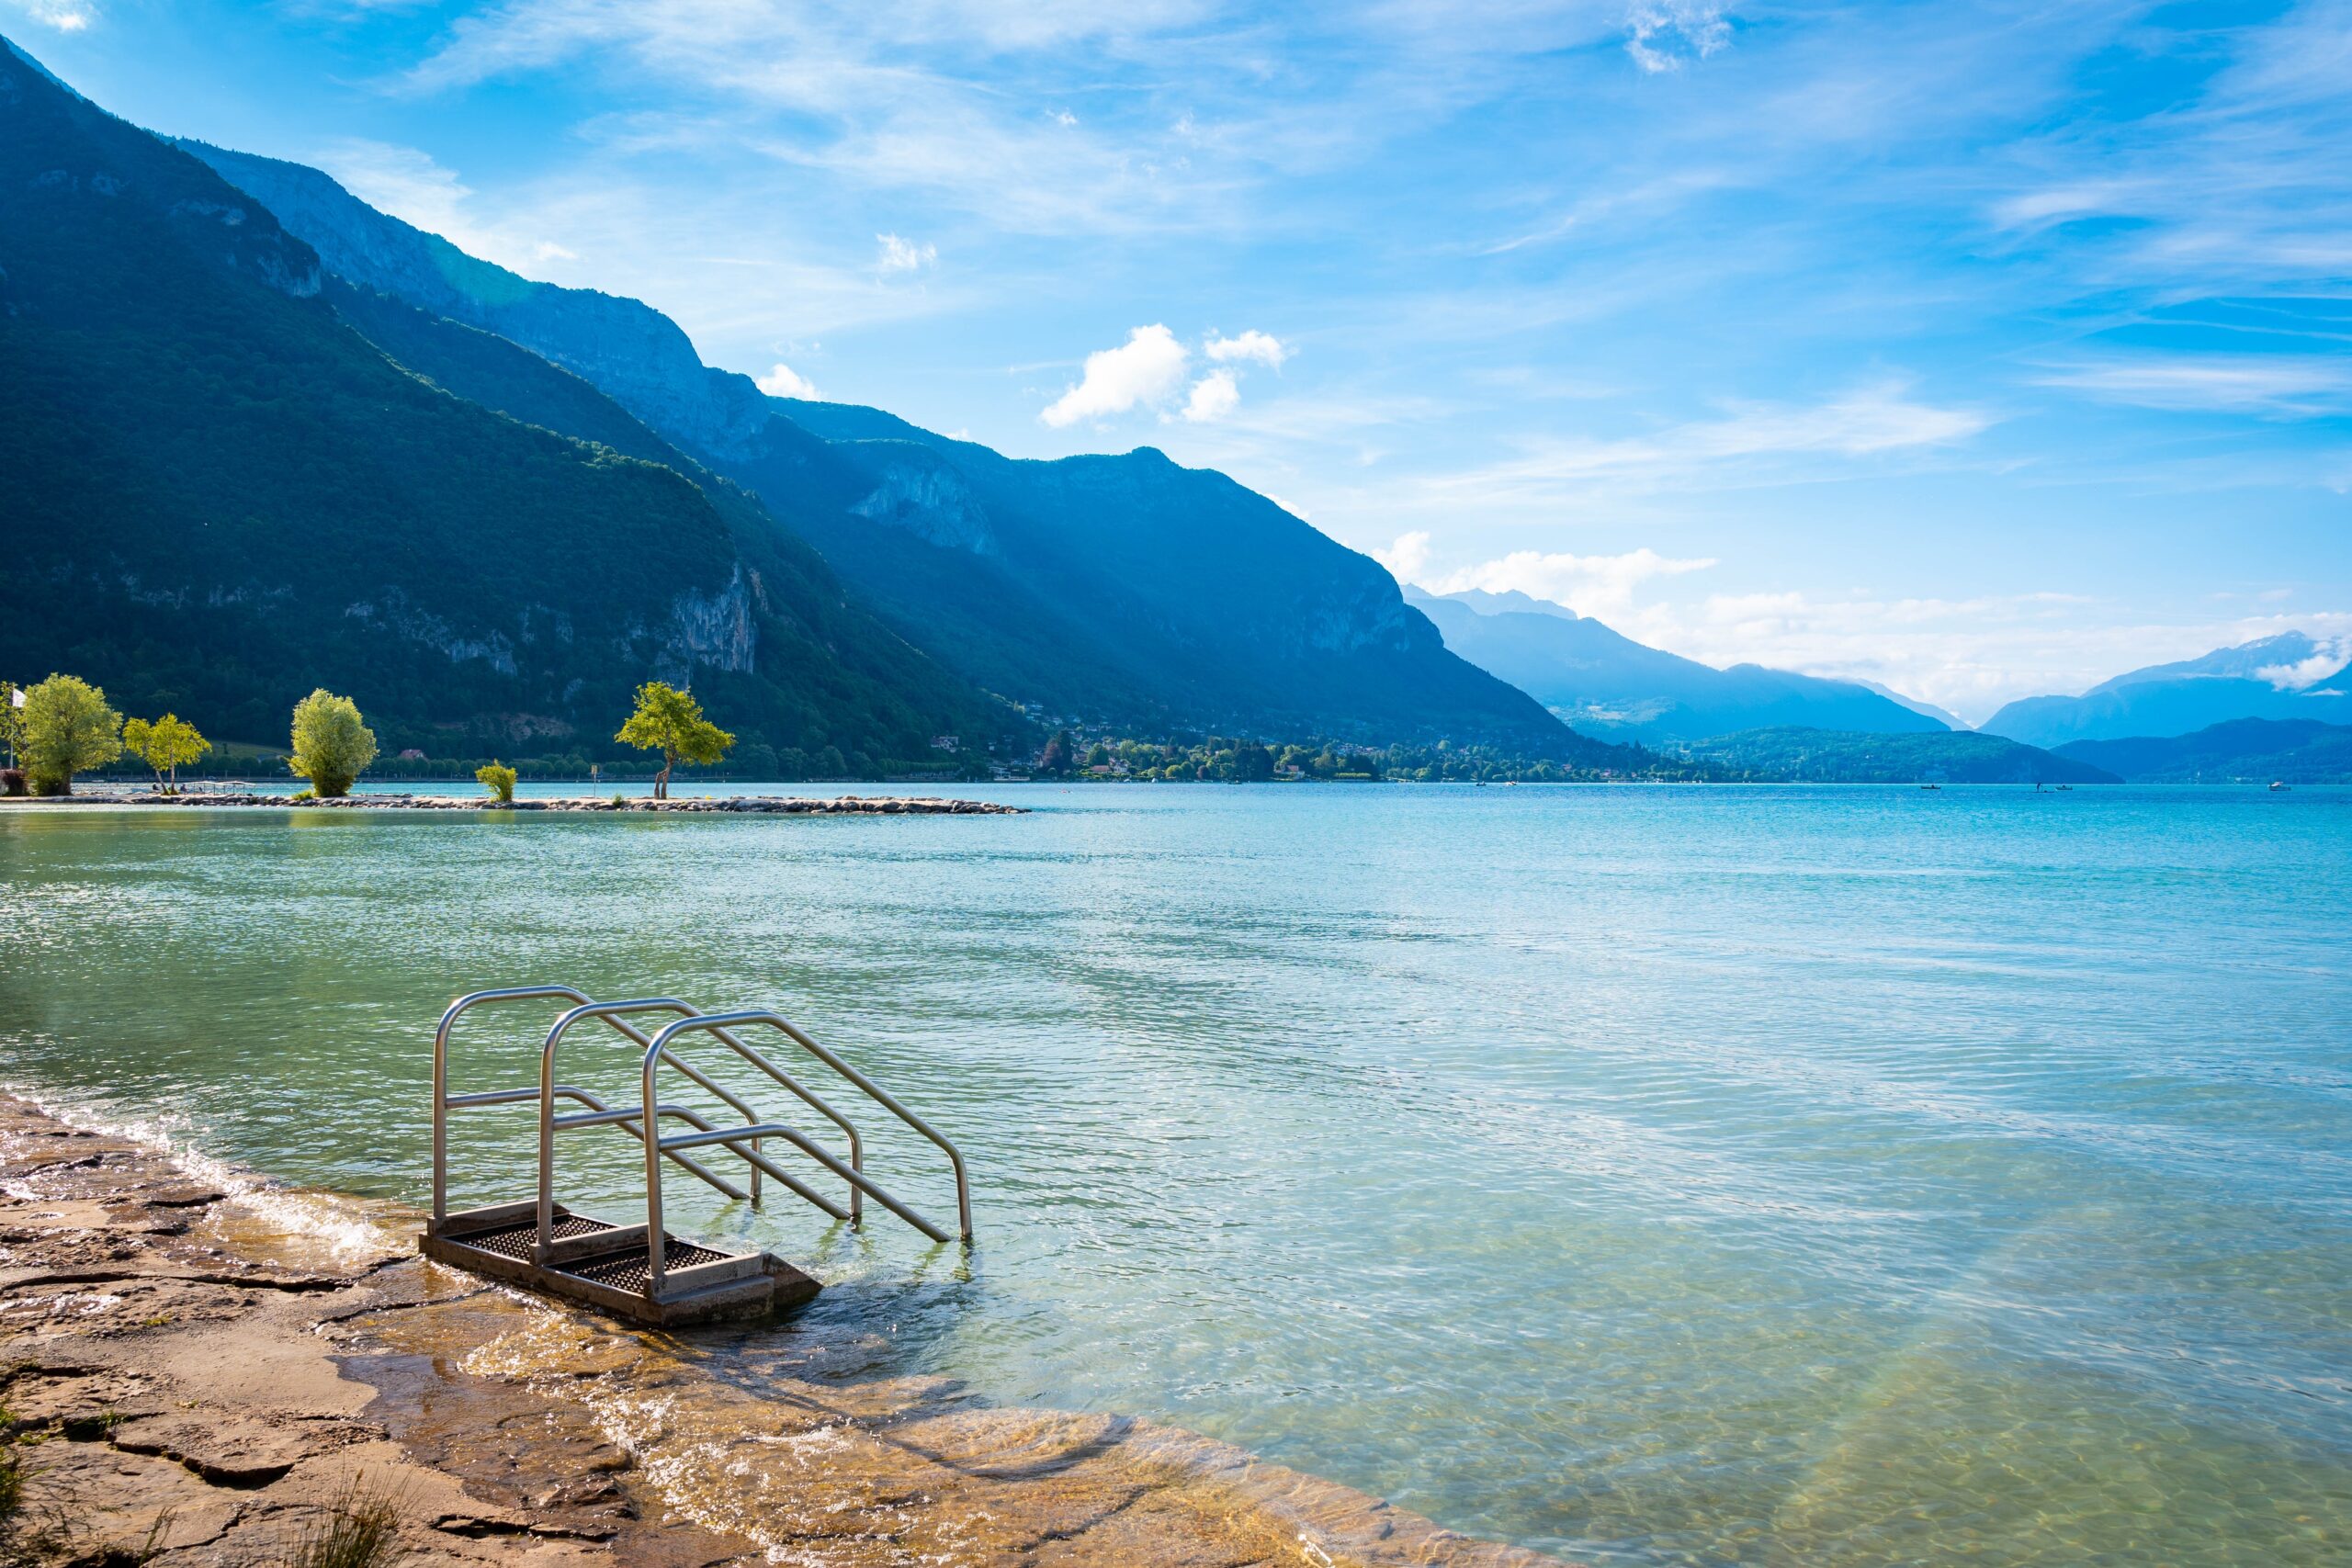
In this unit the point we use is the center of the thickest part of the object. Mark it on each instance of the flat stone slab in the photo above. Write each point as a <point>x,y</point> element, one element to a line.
<point>227,1451</point>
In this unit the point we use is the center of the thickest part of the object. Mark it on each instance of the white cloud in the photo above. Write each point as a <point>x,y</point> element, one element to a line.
<point>1262,347</point>
<point>903,255</point>
<point>2328,660</point>
<point>1145,371</point>
<point>1590,585</point>
<point>1665,33</point>
<point>782,382</point>
<point>1214,395</point>
<point>1408,556</point>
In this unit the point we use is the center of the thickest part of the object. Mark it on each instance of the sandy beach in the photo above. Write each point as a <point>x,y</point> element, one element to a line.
<point>195,1366</point>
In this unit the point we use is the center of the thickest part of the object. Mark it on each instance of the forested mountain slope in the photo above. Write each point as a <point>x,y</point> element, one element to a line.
<point>1124,589</point>
<point>221,495</point>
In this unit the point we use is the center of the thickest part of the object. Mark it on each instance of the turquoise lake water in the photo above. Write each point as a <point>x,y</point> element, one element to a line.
<point>1657,1176</point>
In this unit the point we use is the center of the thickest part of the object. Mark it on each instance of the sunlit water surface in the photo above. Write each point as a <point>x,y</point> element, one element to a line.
<point>1653,1176</point>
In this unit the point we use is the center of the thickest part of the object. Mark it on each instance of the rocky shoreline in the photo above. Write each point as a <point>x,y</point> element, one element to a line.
<point>755,805</point>
<point>197,1366</point>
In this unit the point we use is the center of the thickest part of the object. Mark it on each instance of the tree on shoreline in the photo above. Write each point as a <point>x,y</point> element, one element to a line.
<point>331,746</point>
<point>68,729</point>
<point>670,721</point>
<point>168,745</point>
<point>1056,757</point>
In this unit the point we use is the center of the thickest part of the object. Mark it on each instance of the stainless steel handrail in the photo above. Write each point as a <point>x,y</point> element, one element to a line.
<point>644,1122</point>
<point>611,1012</point>
<point>721,1025</point>
<point>443,1101</point>
<point>441,1078</point>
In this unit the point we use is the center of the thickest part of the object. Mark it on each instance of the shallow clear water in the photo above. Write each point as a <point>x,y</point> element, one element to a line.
<point>1655,1175</point>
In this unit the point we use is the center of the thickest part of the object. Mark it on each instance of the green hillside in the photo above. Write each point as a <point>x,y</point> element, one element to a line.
<point>2256,751</point>
<point>226,496</point>
<point>1824,756</point>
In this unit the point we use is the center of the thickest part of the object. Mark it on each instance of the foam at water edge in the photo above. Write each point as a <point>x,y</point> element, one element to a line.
<point>347,1232</point>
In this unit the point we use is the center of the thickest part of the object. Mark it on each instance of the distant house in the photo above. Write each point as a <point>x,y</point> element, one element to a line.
<point>944,743</point>
<point>411,755</point>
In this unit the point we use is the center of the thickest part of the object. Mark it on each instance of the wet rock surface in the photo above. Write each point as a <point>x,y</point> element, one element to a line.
<point>195,1381</point>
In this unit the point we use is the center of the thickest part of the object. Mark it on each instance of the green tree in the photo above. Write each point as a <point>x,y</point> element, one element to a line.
<point>498,779</point>
<point>1056,757</point>
<point>166,746</point>
<point>332,747</point>
<point>68,729</point>
<point>1253,762</point>
<point>671,722</point>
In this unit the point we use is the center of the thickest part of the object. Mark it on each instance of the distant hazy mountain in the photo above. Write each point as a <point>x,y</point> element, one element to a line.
<point>1606,683</point>
<point>1127,588</point>
<point>2257,750</point>
<point>222,493</point>
<point>2288,677</point>
<point>1820,756</point>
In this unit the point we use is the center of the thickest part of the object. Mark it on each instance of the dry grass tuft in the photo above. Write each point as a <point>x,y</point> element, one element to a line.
<point>361,1531</point>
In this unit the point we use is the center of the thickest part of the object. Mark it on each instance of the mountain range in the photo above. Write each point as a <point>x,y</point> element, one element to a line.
<point>1605,684</point>
<point>234,494</point>
<point>1123,591</point>
<point>2289,750</point>
<point>2290,676</point>
<point>272,437</point>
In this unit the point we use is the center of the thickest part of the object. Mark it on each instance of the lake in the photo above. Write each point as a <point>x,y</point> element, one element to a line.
<point>1650,1175</point>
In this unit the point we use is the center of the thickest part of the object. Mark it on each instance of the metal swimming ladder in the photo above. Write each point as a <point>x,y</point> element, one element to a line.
<point>641,1270</point>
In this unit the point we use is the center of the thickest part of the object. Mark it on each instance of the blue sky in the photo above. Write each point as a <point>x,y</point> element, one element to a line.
<point>1980,350</point>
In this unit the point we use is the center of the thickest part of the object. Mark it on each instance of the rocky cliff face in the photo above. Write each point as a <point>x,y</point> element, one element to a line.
<point>915,490</point>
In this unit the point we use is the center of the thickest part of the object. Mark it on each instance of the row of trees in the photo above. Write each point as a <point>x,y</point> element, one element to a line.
<point>1223,760</point>
<point>63,725</point>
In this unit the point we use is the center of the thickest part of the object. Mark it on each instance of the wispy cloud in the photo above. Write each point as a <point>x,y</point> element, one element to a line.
<point>65,15</point>
<point>903,255</point>
<point>1870,422</point>
<point>2299,387</point>
<point>1662,34</point>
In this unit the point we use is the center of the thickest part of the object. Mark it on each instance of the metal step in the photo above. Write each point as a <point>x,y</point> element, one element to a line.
<point>603,1265</point>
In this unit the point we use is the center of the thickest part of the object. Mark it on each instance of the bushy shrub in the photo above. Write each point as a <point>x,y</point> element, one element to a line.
<point>499,780</point>
<point>12,781</point>
<point>332,747</point>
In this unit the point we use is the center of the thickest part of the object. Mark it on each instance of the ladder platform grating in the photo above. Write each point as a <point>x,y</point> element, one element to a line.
<point>499,1241</point>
